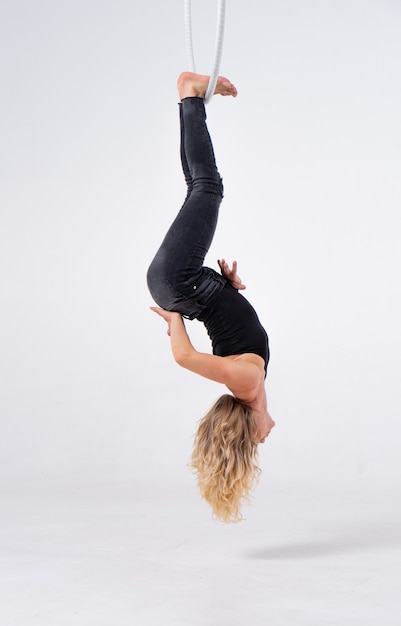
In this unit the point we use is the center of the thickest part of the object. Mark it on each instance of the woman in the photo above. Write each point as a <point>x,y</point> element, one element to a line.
<point>225,448</point>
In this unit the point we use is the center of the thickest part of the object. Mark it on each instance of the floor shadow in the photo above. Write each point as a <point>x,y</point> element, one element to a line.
<point>382,535</point>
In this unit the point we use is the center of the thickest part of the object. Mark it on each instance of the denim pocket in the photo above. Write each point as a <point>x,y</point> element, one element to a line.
<point>209,283</point>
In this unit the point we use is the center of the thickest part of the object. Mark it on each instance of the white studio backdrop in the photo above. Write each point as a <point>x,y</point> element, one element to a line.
<point>310,154</point>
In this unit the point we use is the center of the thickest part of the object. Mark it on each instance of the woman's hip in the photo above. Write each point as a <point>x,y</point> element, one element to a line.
<point>189,297</point>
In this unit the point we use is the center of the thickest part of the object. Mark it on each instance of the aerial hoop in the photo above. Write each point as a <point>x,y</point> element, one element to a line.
<point>218,49</point>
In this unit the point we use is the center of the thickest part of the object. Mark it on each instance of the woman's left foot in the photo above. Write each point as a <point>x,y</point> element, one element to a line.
<point>195,85</point>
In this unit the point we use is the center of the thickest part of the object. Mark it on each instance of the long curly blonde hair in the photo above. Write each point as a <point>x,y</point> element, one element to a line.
<point>224,456</point>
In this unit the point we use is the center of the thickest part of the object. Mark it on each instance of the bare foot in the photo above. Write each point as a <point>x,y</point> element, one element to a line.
<point>195,85</point>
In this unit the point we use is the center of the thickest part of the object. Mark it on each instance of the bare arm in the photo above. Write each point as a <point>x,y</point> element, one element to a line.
<point>241,377</point>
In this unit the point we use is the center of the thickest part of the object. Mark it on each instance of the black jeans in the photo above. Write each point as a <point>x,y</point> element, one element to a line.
<point>177,279</point>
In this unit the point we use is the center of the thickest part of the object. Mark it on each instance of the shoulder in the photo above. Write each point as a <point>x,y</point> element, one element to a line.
<point>250,374</point>
<point>240,373</point>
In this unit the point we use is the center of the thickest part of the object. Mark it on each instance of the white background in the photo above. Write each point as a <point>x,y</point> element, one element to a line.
<point>310,154</point>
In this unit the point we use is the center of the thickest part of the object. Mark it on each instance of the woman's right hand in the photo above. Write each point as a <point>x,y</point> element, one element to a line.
<point>168,316</point>
<point>231,273</point>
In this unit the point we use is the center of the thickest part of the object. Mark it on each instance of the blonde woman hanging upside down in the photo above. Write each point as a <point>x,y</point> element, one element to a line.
<point>225,448</point>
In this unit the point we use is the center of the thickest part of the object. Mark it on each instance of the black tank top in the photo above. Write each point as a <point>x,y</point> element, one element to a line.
<point>233,325</point>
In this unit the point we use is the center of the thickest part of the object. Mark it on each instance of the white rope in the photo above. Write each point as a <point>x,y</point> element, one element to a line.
<point>188,35</point>
<point>218,48</point>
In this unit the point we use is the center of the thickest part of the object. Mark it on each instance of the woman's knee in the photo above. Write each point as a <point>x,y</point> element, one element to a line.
<point>209,185</point>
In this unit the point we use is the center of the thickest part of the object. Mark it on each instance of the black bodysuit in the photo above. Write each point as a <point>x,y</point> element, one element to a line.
<point>233,325</point>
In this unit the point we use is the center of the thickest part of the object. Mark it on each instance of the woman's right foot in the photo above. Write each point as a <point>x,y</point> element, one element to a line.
<point>195,85</point>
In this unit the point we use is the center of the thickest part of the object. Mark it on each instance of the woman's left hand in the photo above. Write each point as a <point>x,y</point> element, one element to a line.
<point>231,273</point>
<point>168,316</point>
